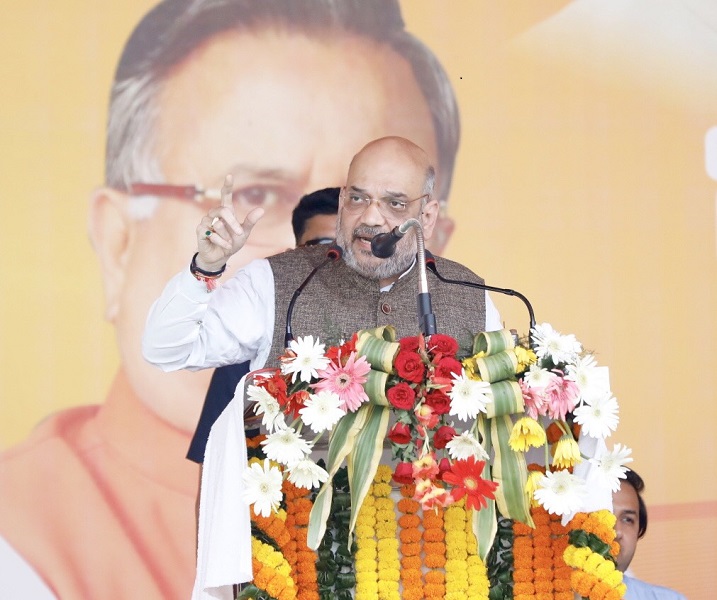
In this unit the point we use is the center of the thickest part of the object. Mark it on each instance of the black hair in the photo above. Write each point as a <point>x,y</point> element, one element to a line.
<point>320,202</point>
<point>639,485</point>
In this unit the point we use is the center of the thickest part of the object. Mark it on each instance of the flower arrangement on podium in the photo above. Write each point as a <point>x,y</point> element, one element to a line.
<point>509,431</point>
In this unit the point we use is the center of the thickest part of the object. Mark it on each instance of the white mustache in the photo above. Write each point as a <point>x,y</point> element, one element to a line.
<point>365,231</point>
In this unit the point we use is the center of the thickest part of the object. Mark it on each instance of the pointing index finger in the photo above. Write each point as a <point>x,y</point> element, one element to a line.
<point>227,191</point>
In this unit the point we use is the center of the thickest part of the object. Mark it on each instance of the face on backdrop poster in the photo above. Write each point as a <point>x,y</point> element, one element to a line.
<point>585,178</point>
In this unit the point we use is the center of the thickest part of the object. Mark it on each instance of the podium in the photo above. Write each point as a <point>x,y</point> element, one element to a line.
<point>400,469</point>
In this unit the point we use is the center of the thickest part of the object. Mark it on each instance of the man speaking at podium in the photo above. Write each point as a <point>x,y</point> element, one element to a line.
<point>193,325</point>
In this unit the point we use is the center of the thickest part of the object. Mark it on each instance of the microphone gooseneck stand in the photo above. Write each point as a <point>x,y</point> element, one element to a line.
<point>383,245</point>
<point>333,254</point>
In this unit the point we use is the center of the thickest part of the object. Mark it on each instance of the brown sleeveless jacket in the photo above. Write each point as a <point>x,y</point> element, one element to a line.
<point>338,301</point>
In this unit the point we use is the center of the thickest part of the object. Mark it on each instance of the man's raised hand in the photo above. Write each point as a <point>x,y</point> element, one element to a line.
<point>219,233</point>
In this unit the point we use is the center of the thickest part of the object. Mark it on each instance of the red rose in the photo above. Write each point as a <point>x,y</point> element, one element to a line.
<point>444,435</point>
<point>443,344</point>
<point>409,344</point>
<point>439,401</point>
<point>446,366</point>
<point>401,396</point>
<point>400,434</point>
<point>443,467</point>
<point>410,367</point>
<point>403,473</point>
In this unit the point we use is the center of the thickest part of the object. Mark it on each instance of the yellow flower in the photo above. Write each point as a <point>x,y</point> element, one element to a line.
<point>469,364</point>
<point>593,564</point>
<point>456,566</point>
<point>526,432</point>
<point>613,577</point>
<point>381,492</point>
<point>366,554</point>
<point>605,517</point>
<point>384,473</point>
<point>525,358</point>
<point>531,485</point>
<point>567,453</point>
<point>363,528</point>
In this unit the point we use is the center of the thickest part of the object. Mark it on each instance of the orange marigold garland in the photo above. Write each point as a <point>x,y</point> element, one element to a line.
<point>561,571</point>
<point>272,549</point>
<point>591,553</point>
<point>272,572</point>
<point>410,536</point>
<point>434,552</point>
<point>523,586</point>
<point>298,508</point>
<point>540,571</point>
<point>542,554</point>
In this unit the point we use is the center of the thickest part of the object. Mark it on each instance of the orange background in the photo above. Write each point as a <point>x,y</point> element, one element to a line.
<point>580,182</point>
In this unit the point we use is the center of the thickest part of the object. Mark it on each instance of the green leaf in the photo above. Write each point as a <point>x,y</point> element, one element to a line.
<point>365,456</point>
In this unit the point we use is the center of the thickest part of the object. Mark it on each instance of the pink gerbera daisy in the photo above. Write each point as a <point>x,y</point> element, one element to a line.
<point>562,396</point>
<point>346,381</point>
<point>536,404</point>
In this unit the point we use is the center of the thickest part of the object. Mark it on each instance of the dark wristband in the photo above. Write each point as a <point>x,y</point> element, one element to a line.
<point>195,270</point>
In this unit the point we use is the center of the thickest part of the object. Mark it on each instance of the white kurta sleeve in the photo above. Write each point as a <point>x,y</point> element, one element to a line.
<point>190,328</point>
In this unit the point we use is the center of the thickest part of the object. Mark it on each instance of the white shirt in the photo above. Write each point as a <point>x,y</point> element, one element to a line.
<point>639,590</point>
<point>19,579</point>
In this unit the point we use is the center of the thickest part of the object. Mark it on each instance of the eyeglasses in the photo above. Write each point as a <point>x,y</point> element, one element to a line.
<point>389,206</point>
<point>319,241</point>
<point>277,201</point>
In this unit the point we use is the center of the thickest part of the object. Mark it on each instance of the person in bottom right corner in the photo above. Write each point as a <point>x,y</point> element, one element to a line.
<point>631,513</point>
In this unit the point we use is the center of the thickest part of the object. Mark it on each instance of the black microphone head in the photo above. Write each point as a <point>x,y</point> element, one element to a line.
<point>335,252</point>
<point>383,245</point>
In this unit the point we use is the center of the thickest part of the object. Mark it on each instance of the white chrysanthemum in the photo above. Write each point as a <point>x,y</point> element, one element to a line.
<point>309,359</point>
<point>267,406</point>
<point>468,397</point>
<point>262,488</point>
<point>551,344</point>
<point>537,377</point>
<point>322,411</point>
<point>611,466</point>
<point>464,446</point>
<point>286,446</point>
<point>307,474</point>
<point>590,379</point>
<point>560,492</point>
<point>598,418</point>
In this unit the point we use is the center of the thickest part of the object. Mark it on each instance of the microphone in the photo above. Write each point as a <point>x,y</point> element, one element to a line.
<point>383,245</point>
<point>334,253</point>
<point>431,264</point>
